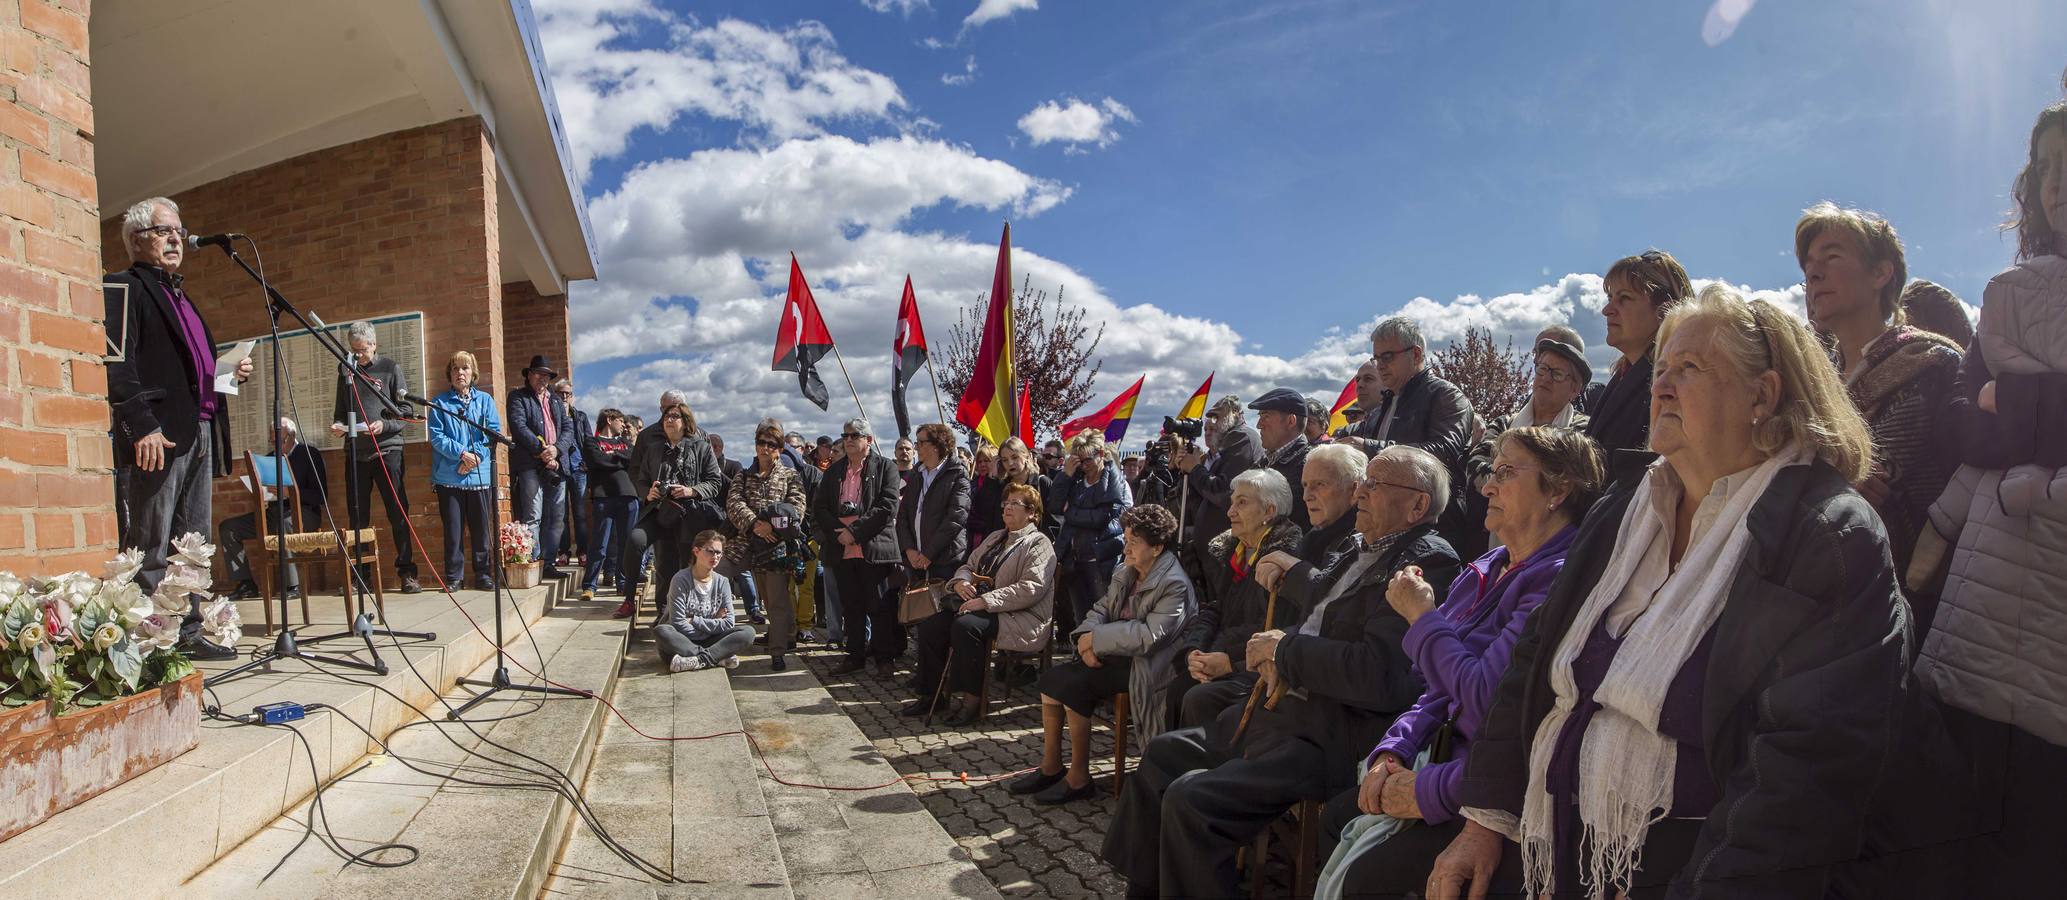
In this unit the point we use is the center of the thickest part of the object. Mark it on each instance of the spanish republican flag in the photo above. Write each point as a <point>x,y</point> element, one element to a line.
<point>1112,419</point>
<point>1195,408</point>
<point>989,405</point>
<point>1336,417</point>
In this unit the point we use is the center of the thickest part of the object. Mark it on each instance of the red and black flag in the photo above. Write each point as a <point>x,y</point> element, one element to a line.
<point>907,354</point>
<point>801,339</point>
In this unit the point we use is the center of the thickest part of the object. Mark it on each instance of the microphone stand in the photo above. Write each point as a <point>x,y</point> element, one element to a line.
<point>501,680</point>
<point>285,643</point>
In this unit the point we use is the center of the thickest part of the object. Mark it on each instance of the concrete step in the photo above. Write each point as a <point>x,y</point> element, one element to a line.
<point>169,824</point>
<point>473,841</point>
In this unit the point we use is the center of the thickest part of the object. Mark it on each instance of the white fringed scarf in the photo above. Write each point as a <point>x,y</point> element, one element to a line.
<point>1625,765</point>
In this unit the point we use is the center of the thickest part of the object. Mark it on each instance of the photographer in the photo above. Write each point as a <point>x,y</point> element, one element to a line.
<point>855,514</point>
<point>1158,483</point>
<point>1235,448</point>
<point>1005,592</point>
<point>678,482</point>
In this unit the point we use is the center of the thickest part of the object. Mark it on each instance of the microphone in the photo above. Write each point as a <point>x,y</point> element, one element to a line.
<point>197,241</point>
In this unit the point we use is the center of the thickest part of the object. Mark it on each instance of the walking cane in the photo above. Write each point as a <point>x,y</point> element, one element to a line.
<point>1269,611</point>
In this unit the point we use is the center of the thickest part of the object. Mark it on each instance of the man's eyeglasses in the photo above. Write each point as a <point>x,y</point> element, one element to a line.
<point>1372,484</point>
<point>852,436</point>
<point>564,395</point>
<point>158,231</point>
<point>1386,358</point>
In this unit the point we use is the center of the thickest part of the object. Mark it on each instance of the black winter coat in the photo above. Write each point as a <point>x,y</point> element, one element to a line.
<point>944,512</point>
<point>152,388</point>
<point>1803,694</point>
<point>1620,419</point>
<point>876,529</point>
<point>1290,461</point>
<point>1231,611</point>
<point>688,462</point>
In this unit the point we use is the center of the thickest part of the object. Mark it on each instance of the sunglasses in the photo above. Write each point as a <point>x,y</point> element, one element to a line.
<point>852,436</point>
<point>771,445</point>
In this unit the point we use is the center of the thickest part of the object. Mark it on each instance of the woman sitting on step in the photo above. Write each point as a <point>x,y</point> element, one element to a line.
<point>697,630</point>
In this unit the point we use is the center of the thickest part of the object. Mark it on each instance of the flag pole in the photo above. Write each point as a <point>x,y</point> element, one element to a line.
<point>933,377</point>
<point>850,381</point>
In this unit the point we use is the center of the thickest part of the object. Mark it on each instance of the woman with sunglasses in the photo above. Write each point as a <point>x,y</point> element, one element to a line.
<point>754,505</point>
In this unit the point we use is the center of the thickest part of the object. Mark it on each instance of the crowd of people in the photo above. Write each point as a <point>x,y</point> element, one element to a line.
<point>1772,609</point>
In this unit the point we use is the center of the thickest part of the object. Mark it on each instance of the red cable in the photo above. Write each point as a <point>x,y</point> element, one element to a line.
<point>417,541</point>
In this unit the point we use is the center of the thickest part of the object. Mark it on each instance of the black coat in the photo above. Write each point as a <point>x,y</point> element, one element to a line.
<point>944,509</point>
<point>152,388</point>
<point>1328,540</point>
<point>1290,461</point>
<point>1620,419</point>
<point>527,429</point>
<point>610,466</point>
<point>688,462</point>
<point>1804,681</point>
<point>1212,486</point>
<point>1356,676</point>
<point>1232,611</point>
<point>1433,415</point>
<point>876,529</point>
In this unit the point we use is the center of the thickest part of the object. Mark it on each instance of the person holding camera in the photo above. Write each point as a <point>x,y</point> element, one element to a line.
<point>855,514</point>
<point>678,482</point>
<point>1005,593</point>
<point>754,505</point>
<point>1091,498</point>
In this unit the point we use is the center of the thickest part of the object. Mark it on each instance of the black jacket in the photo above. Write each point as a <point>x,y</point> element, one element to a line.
<point>354,398</point>
<point>152,388</point>
<point>688,462</point>
<point>610,466</point>
<point>1620,419</point>
<point>1433,415</point>
<point>583,430</point>
<point>527,429</point>
<point>1328,540</point>
<point>1804,682</point>
<point>876,528</point>
<point>944,509</point>
<point>1231,611</point>
<point>311,482</point>
<point>1212,487</point>
<point>1290,461</point>
<point>1356,676</point>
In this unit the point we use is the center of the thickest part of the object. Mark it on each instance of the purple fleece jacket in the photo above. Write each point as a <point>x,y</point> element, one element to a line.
<point>1461,648</point>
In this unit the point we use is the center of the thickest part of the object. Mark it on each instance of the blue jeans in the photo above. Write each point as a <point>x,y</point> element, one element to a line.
<point>541,504</point>
<point>743,585</point>
<point>829,609</point>
<point>577,540</point>
<point>611,519</point>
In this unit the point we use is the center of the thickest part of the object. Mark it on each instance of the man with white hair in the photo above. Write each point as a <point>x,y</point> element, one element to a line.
<point>1417,409</point>
<point>1202,793</point>
<point>374,451</point>
<point>310,477</point>
<point>168,436</point>
<point>1328,482</point>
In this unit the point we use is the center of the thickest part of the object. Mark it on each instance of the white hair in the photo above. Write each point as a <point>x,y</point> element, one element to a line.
<point>671,398</point>
<point>1340,462</point>
<point>1404,329</point>
<point>1271,489</point>
<point>287,425</point>
<point>1426,472</point>
<point>362,331</point>
<point>138,217</point>
<point>857,426</point>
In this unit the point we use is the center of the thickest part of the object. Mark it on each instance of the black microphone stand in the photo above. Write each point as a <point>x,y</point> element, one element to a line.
<point>501,681</point>
<point>285,643</point>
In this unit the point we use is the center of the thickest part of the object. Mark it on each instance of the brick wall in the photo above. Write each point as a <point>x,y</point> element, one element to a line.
<point>535,324</point>
<point>56,495</point>
<point>401,222</point>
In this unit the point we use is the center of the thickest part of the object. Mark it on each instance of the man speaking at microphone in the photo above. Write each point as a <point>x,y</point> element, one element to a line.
<point>375,454</point>
<point>167,438</point>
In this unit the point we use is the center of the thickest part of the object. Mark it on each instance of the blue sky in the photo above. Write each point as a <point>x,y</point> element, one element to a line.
<point>1245,187</point>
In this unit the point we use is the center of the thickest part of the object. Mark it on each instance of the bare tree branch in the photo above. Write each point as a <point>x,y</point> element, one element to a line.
<point>1051,354</point>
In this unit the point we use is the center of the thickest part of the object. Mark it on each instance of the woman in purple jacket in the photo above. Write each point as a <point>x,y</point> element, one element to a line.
<point>1543,481</point>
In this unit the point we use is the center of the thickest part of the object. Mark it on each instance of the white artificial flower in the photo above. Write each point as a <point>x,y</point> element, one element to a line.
<point>125,565</point>
<point>157,633</point>
<point>31,635</point>
<point>107,635</point>
<point>193,550</point>
<point>221,621</point>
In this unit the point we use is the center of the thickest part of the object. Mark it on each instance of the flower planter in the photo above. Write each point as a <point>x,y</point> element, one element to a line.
<point>53,763</point>
<point>520,575</point>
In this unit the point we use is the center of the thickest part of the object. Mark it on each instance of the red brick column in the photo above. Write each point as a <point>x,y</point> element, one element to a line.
<point>534,324</point>
<point>56,495</point>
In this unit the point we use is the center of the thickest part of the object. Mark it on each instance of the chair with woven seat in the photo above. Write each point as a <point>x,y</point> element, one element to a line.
<point>306,547</point>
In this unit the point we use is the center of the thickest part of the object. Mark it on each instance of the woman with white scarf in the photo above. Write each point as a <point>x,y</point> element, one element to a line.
<point>1704,703</point>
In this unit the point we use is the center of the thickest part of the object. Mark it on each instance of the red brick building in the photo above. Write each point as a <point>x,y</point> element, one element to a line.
<point>389,156</point>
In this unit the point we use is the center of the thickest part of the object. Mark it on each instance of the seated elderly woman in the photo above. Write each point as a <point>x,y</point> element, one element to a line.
<point>1336,676</point>
<point>1544,479</point>
<point>1122,646</point>
<point>1232,606</point>
<point>1005,593</point>
<point>1710,690</point>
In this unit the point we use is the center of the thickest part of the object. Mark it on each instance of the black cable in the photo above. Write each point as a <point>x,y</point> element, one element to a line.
<point>329,838</point>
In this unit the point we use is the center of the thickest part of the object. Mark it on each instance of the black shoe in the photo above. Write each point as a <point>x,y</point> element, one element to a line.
<point>777,663</point>
<point>245,591</point>
<point>757,618</point>
<point>965,715</point>
<point>1032,782</point>
<point>761,639</point>
<point>850,666</point>
<point>481,583</point>
<point>886,668</point>
<point>409,585</point>
<point>916,708</point>
<point>551,573</point>
<point>203,648</point>
<point>1060,792</point>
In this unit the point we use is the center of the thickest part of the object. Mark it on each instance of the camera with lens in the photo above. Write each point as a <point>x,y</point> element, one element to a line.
<point>1182,434</point>
<point>849,508</point>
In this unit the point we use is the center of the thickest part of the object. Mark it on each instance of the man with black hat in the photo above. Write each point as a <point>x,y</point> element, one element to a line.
<point>373,449</point>
<point>1561,377</point>
<point>544,436</point>
<point>1281,422</point>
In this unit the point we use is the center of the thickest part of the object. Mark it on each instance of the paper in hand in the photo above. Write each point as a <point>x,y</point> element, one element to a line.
<point>226,367</point>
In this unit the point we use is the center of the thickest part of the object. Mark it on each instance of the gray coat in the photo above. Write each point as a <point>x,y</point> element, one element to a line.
<point>1143,623</point>
<point>1022,591</point>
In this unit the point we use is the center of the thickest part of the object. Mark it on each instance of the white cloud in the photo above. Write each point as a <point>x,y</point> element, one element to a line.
<point>904,7</point>
<point>1076,122</point>
<point>968,74</point>
<point>778,83</point>
<point>993,10</point>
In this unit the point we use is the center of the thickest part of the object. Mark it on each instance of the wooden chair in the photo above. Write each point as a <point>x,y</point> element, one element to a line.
<point>1300,829</point>
<point>307,548</point>
<point>1006,660</point>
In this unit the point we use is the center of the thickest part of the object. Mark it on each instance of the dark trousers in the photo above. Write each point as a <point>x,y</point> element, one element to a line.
<point>155,507</point>
<point>715,647</point>
<point>580,521</point>
<point>1190,806</point>
<point>464,510</point>
<point>958,643</point>
<point>612,518</point>
<point>1202,704</point>
<point>232,534</point>
<point>384,472</point>
<point>670,554</point>
<point>870,613</point>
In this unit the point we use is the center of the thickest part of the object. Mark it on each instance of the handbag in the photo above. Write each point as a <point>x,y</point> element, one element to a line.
<point>920,600</point>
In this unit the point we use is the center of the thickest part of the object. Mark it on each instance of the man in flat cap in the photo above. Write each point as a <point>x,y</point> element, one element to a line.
<point>1281,422</point>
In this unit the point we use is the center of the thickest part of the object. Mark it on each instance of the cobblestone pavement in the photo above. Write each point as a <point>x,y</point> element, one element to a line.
<point>1024,848</point>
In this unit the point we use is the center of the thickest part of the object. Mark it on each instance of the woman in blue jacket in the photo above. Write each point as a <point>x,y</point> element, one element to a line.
<point>459,469</point>
<point>1092,495</point>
